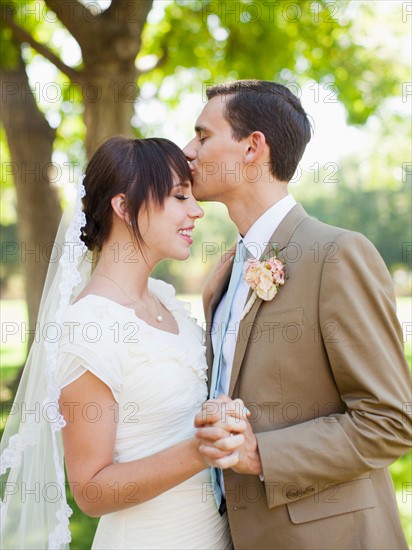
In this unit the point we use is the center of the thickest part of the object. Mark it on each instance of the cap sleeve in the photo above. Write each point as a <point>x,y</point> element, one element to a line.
<point>90,341</point>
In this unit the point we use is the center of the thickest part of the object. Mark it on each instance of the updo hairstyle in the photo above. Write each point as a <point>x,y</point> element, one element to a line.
<point>142,169</point>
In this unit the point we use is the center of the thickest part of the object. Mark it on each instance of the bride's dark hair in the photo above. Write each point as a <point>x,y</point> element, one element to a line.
<point>142,169</point>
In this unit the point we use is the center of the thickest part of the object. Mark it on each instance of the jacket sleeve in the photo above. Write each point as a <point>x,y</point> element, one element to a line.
<point>371,373</point>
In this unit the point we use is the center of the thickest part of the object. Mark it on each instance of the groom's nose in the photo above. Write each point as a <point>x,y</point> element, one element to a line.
<point>190,150</point>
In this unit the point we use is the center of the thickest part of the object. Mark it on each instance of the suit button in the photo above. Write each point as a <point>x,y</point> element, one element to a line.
<point>292,495</point>
<point>235,509</point>
<point>310,490</point>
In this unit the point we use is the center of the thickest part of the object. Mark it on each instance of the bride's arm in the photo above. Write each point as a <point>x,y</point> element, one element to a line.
<point>100,486</point>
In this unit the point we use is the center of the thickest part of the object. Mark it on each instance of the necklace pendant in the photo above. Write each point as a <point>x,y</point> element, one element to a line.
<point>159,318</point>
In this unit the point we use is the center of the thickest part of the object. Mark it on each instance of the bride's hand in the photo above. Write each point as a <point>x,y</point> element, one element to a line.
<point>230,414</point>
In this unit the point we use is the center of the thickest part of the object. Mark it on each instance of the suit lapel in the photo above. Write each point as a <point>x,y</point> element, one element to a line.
<point>281,237</point>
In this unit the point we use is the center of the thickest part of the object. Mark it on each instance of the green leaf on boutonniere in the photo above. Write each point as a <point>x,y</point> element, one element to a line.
<point>275,252</point>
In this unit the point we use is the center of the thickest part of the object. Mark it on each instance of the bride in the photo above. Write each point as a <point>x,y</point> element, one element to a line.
<point>126,375</point>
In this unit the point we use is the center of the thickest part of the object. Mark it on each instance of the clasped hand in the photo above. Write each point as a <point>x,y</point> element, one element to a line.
<point>226,438</point>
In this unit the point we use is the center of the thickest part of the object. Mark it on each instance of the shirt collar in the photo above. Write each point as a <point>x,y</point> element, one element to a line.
<point>261,231</point>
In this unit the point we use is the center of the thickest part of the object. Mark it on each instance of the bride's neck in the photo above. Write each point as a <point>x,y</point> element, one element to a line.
<point>124,264</point>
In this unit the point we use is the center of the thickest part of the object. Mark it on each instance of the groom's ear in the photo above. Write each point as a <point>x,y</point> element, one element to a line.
<point>257,147</point>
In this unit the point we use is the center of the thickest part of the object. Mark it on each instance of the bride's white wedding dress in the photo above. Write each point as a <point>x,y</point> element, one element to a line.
<point>158,380</point>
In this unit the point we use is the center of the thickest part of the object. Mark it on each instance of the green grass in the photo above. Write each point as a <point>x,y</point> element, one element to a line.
<point>401,472</point>
<point>13,314</point>
<point>82,527</point>
<point>12,356</point>
<point>404,310</point>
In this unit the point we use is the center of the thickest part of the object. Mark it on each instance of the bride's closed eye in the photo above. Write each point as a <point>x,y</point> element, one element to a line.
<point>179,189</point>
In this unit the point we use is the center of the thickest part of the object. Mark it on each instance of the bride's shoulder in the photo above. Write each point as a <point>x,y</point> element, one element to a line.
<point>96,322</point>
<point>91,307</point>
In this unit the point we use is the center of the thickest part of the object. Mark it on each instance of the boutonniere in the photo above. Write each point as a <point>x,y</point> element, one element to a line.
<point>264,278</point>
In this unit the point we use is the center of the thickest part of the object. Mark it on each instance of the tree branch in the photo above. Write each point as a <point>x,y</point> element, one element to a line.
<point>72,15</point>
<point>23,36</point>
<point>125,11</point>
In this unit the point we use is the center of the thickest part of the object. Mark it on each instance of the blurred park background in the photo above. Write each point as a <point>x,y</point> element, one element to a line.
<point>74,72</point>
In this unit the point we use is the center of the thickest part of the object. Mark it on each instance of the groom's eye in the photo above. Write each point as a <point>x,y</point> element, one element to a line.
<point>202,137</point>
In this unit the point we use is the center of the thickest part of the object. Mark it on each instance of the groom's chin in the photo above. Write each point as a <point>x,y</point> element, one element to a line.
<point>199,193</point>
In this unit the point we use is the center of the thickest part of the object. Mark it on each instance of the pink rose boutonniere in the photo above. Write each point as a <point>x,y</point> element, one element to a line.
<point>264,278</point>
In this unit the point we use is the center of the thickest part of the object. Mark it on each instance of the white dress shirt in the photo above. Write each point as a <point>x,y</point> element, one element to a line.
<point>255,241</point>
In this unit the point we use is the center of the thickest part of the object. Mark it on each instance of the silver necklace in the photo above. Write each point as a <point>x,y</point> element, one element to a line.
<point>159,316</point>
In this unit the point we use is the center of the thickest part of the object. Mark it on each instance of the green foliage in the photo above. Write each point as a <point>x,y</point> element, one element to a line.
<point>382,215</point>
<point>9,50</point>
<point>287,42</point>
<point>11,260</point>
<point>401,476</point>
<point>368,192</point>
<point>82,527</point>
<point>13,349</point>
<point>201,42</point>
<point>8,214</point>
<point>59,99</point>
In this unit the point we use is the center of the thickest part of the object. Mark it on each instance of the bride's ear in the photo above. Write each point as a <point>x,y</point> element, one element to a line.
<point>119,206</point>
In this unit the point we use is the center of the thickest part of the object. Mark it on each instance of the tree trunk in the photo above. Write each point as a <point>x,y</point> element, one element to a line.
<point>108,106</point>
<point>110,43</point>
<point>30,141</point>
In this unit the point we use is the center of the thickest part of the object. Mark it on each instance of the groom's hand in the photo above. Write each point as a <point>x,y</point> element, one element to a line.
<point>223,426</point>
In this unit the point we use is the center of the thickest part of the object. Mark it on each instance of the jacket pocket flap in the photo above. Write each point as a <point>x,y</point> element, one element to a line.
<point>342,498</point>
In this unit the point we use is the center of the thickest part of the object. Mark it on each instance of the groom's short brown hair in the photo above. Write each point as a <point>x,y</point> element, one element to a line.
<point>270,108</point>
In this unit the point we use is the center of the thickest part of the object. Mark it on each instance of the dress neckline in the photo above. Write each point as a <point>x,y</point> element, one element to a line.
<point>134,313</point>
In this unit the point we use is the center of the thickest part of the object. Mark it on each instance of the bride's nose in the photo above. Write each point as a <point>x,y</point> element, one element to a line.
<point>196,211</point>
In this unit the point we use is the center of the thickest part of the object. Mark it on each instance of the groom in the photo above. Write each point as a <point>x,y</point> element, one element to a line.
<point>320,366</point>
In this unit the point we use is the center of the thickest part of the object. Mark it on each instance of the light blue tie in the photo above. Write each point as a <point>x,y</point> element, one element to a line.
<point>235,277</point>
<point>237,271</point>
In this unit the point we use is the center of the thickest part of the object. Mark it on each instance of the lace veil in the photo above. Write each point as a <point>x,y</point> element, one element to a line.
<point>34,512</point>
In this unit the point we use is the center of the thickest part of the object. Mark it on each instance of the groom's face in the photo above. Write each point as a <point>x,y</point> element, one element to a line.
<point>216,159</point>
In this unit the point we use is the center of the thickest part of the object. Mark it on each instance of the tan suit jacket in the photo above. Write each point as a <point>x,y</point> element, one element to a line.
<point>321,368</point>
